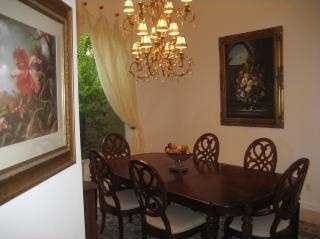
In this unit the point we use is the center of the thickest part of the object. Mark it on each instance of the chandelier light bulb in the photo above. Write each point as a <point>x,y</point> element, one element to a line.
<point>142,29</point>
<point>162,25</point>
<point>168,8</point>
<point>174,29</point>
<point>128,7</point>
<point>181,43</point>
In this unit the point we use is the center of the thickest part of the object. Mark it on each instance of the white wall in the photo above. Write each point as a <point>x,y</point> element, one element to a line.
<point>199,98</point>
<point>158,106</point>
<point>53,209</point>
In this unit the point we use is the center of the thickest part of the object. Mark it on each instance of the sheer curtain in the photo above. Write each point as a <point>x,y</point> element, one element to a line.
<point>112,60</point>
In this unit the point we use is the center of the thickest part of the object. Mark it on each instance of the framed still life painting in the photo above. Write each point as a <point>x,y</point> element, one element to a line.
<point>252,79</point>
<point>36,113</point>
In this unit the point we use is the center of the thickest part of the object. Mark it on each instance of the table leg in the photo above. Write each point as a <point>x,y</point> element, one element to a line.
<point>213,224</point>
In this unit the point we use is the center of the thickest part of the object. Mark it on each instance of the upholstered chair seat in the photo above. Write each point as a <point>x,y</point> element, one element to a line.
<point>127,199</point>
<point>260,225</point>
<point>181,219</point>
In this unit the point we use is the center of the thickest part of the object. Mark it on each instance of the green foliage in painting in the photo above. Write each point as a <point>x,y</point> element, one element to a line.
<point>97,118</point>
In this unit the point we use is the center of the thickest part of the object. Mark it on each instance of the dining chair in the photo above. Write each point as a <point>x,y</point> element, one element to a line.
<point>160,218</point>
<point>115,147</point>
<point>113,200</point>
<point>284,221</point>
<point>206,151</point>
<point>261,155</point>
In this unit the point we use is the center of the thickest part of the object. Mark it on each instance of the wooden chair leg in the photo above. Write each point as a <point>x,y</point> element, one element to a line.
<point>143,230</point>
<point>103,221</point>
<point>213,226</point>
<point>120,219</point>
<point>204,233</point>
<point>296,224</point>
<point>130,219</point>
<point>227,223</point>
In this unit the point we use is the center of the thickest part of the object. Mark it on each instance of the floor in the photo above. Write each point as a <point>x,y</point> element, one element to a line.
<point>132,230</point>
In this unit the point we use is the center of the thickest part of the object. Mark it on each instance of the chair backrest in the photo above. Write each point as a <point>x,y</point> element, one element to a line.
<point>103,176</point>
<point>206,150</point>
<point>95,164</point>
<point>114,146</point>
<point>149,188</point>
<point>288,190</point>
<point>261,155</point>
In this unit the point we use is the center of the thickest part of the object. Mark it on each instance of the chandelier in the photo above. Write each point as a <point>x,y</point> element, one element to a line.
<point>160,48</point>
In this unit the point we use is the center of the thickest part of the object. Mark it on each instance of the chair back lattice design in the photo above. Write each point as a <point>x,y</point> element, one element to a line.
<point>150,190</point>
<point>114,146</point>
<point>261,155</point>
<point>206,151</point>
<point>287,192</point>
<point>104,178</point>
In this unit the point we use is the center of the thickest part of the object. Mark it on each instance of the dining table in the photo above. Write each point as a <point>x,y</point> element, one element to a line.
<point>221,191</point>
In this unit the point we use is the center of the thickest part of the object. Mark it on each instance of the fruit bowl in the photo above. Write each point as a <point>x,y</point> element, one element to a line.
<point>179,157</point>
<point>178,154</point>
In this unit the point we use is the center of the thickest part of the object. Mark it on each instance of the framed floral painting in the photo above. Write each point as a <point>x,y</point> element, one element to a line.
<point>252,79</point>
<point>36,113</point>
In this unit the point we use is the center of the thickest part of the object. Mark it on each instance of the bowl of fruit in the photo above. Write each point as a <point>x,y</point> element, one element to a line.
<point>179,154</point>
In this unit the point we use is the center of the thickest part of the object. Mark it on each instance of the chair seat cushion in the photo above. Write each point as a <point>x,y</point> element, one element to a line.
<point>260,225</point>
<point>181,219</point>
<point>127,199</point>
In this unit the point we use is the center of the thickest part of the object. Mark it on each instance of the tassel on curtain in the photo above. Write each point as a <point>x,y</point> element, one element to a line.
<point>112,60</point>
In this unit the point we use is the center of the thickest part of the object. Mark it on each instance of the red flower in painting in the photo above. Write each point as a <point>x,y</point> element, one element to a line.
<point>26,74</point>
<point>3,124</point>
<point>17,107</point>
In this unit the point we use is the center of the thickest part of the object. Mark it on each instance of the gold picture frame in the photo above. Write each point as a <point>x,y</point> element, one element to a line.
<point>22,176</point>
<point>251,78</point>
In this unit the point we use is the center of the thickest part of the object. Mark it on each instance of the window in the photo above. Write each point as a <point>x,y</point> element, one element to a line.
<point>97,118</point>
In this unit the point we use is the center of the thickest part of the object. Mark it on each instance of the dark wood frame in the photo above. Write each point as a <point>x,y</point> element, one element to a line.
<point>277,121</point>
<point>23,176</point>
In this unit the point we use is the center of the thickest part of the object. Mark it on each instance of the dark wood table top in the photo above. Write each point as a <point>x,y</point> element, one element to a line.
<point>227,187</point>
